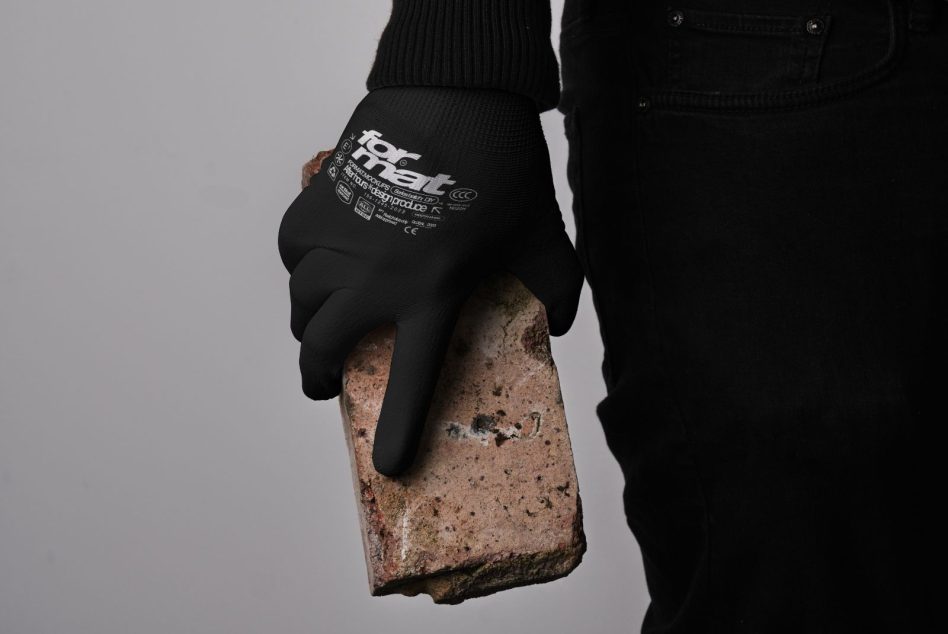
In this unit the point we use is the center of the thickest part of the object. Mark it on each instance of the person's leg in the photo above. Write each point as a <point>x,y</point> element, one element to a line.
<point>769,271</point>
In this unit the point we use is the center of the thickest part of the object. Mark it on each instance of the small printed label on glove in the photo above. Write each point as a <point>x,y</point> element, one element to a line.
<point>370,174</point>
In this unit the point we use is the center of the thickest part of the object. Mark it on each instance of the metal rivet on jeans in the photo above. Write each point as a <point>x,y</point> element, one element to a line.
<point>675,17</point>
<point>814,26</point>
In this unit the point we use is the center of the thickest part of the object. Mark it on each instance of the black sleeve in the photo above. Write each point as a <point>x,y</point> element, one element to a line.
<point>502,44</point>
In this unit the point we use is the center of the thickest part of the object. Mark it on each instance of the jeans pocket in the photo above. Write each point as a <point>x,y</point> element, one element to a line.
<point>729,61</point>
<point>721,51</point>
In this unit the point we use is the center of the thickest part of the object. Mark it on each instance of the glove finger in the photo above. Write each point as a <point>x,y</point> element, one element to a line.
<point>317,275</point>
<point>334,330</point>
<point>547,264</point>
<point>420,345</point>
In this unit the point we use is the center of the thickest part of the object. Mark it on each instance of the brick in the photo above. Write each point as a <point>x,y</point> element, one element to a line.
<point>492,501</point>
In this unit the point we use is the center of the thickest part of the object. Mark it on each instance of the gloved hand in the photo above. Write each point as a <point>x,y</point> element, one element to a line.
<point>429,191</point>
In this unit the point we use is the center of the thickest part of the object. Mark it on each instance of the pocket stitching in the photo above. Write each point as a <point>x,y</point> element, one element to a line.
<point>730,22</point>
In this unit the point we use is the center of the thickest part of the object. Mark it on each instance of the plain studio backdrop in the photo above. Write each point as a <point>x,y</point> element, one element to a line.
<point>160,469</point>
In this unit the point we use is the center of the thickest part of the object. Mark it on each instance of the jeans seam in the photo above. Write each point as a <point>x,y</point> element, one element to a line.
<point>663,365</point>
<point>575,135</point>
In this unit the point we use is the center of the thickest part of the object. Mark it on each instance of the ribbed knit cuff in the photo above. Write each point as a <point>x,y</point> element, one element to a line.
<point>502,44</point>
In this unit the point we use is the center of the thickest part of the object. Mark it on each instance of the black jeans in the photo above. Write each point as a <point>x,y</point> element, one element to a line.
<point>761,198</point>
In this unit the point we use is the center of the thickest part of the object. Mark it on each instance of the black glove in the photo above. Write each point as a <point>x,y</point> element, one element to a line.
<point>429,191</point>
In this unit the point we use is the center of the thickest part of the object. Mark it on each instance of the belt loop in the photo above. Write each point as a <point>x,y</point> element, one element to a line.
<point>921,15</point>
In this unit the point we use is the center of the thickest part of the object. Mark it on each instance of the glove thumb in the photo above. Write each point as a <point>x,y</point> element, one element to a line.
<point>548,266</point>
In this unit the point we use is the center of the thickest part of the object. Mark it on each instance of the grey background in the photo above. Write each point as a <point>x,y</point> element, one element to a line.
<point>160,469</point>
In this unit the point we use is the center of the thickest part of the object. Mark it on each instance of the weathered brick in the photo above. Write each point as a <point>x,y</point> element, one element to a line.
<point>492,501</point>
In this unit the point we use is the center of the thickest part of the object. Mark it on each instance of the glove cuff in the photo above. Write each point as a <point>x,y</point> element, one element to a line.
<point>503,44</point>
